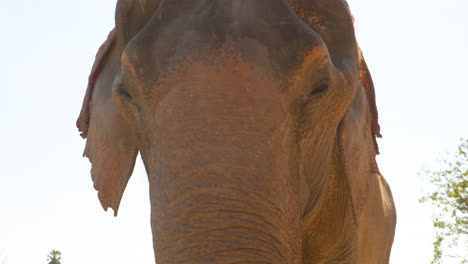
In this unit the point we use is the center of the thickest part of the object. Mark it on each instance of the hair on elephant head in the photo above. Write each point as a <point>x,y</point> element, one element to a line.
<point>256,122</point>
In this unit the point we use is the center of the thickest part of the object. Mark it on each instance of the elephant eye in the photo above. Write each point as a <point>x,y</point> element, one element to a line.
<point>321,88</point>
<point>121,91</point>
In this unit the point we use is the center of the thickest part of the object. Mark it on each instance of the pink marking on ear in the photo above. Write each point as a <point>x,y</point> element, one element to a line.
<point>83,120</point>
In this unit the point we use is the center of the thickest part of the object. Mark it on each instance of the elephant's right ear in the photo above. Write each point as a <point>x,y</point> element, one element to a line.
<point>111,144</point>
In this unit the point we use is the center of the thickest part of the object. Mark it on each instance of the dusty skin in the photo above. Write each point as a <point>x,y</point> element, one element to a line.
<point>256,121</point>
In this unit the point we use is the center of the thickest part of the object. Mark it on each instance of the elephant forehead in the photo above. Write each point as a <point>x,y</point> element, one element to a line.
<point>277,45</point>
<point>226,80</point>
<point>222,103</point>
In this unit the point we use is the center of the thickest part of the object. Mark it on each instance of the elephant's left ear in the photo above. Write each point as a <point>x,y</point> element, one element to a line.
<point>111,140</point>
<point>368,84</point>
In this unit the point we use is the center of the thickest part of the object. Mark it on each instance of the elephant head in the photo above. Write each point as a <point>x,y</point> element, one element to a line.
<point>255,121</point>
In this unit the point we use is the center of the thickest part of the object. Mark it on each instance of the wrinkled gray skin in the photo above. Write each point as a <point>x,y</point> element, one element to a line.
<point>256,122</point>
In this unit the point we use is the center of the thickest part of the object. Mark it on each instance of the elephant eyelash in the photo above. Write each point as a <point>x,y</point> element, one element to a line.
<point>127,105</point>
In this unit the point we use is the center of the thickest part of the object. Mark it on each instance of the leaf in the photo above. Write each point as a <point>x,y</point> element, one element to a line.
<point>450,201</point>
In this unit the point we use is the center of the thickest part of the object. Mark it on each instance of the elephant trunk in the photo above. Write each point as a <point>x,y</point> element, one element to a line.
<point>222,212</point>
<point>221,191</point>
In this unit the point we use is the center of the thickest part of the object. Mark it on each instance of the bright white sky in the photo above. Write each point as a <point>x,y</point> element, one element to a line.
<point>416,50</point>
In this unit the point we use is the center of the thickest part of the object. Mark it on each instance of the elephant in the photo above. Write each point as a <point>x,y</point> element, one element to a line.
<point>256,122</point>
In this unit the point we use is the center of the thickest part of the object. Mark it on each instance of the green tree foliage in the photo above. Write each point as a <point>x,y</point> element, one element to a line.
<point>450,198</point>
<point>54,257</point>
